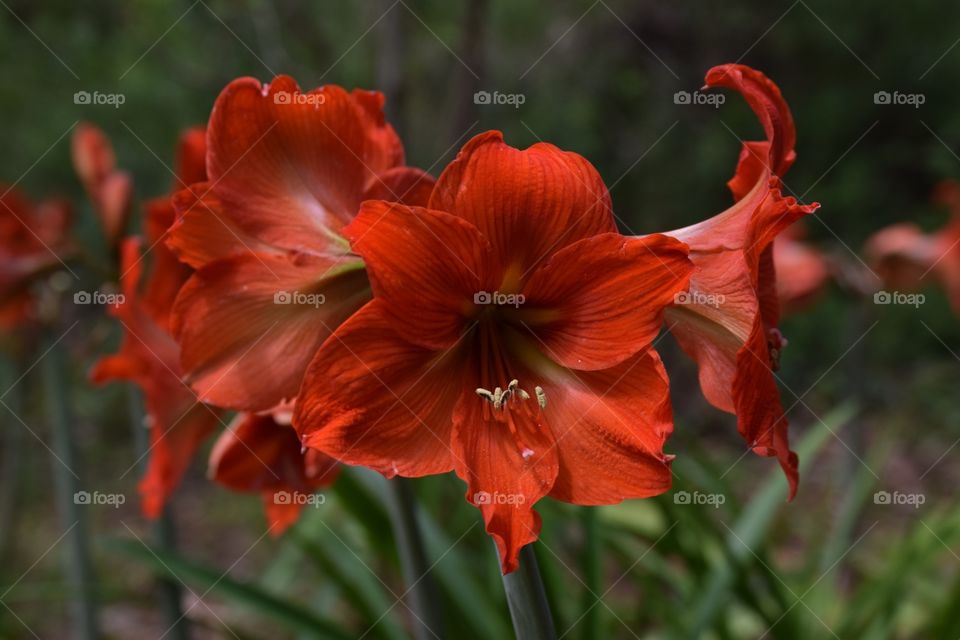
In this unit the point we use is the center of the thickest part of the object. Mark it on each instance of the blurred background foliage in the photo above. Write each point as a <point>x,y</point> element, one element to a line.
<point>872,388</point>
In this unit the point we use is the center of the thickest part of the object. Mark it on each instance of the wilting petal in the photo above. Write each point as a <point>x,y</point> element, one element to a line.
<point>528,204</point>
<point>249,325</point>
<point>371,398</point>
<point>600,300</point>
<point>509,464</point>
<point>290,167</point>
<point>610,427</point>
<point>430,284</point>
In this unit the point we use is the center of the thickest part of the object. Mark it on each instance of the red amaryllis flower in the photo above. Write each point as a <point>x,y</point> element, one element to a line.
<point>34,240</point>
<point>110,191</point>
<point>149,356</point>
<point>261,454</point>
<point>728,322</point>
<point>509,339</point>
<point>802,271</point>
<point>288,170</point>
<point>906,258</point>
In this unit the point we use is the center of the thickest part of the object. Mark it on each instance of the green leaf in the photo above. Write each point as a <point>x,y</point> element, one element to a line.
<point>248,595</point>
<point>752,526</point>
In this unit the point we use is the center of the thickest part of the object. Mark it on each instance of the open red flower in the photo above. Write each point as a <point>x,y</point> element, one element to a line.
<point>906,258</point>
<point>509,339</point>
<point>110,190</point>
<point>149,356</point>
<point>288,170</point>
<point>728,321</point>
<point>802,271</point>
<point>34,240</point>
<point>261,454</point>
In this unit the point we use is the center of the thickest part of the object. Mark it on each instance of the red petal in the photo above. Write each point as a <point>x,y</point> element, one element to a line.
<point>802,273</point>
<point>610,428</point>
<point>168,274</point>
<point>602,299</point>
<point>191,157</point>
<point>401,184</point>
<point>245,348</point>
<point>507,470</point>
<point>149,357</point>
<point>429,286</point>
<point>292,167</point>
<point>528,204</point>
<point>371,398</point>
<point>759,159</point>
<point>258,454</point>
<point>110,191</point>
<point>204,231</point>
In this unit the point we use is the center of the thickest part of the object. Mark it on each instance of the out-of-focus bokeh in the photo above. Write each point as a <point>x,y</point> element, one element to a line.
<point>870,548</point>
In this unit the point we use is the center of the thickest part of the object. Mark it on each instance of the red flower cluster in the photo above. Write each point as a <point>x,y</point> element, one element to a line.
<point>34,240</point>
<point>492,322</point>
<point>179,423</point>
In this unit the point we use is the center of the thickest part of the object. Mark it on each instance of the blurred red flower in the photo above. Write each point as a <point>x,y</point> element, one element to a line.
<point>728,321</point>
<point>509,339</point>
<point>110,190</point>
<point>906,258</point>
<point>34,240</point>
<point>802,271</point>
<point>260,454</point>
<point>149,356</point>
<point>288,170</point>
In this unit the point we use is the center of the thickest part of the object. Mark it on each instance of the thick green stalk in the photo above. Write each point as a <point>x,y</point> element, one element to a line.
<point>423,596</point>
<point>10,459</point>
<point>79,565</point>
<point>527,600</point>
<point>591,573</point>
<point>164,530</point>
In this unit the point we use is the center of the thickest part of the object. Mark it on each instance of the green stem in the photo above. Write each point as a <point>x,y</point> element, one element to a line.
<point>79,565</point>
<point>164,530</point>
<point>591,573</point>
<point>527,600</point>
<point>413,560</point>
